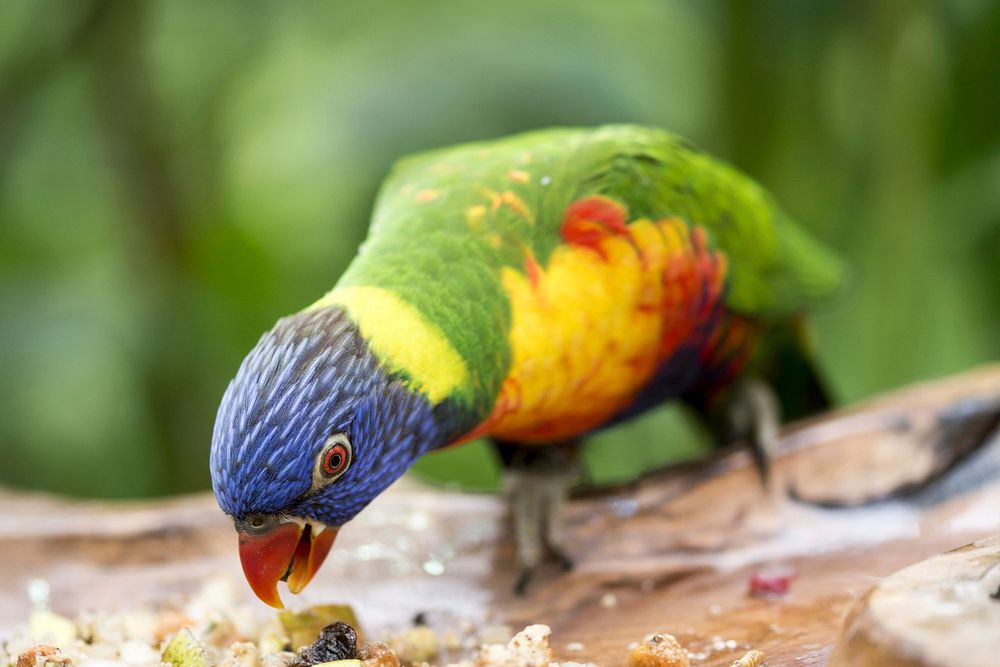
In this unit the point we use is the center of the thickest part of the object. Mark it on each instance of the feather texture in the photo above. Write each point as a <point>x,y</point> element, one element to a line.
<point>457,234</point>
<point>533,289</point>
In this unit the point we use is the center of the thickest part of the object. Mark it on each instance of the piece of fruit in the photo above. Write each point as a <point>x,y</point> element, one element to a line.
<point>185,651</point>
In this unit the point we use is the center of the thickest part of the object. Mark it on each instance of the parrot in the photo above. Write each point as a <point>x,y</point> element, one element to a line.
<point>530,290</point>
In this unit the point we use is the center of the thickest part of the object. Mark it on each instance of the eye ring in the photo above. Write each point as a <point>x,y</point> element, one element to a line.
<point>334,459</point>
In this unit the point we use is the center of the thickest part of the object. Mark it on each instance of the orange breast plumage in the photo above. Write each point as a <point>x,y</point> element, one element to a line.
<point>590,329</point>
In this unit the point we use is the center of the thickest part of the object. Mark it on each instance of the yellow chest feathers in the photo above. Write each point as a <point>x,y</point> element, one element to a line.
<point>590,329</point>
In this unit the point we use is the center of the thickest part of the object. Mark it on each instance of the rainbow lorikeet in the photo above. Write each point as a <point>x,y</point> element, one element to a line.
<point>530,290</point>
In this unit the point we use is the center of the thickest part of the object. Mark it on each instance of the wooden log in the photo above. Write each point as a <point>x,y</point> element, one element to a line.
<point>672,553</point>
<point>941,612</point>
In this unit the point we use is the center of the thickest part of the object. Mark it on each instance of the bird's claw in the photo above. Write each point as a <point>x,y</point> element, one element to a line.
<point>560,558</point>
<point>522,581</point>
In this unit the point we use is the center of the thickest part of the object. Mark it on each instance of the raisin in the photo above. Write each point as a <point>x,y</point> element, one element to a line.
<point>335,642</point>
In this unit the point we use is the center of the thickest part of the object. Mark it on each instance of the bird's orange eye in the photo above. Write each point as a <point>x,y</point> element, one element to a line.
<point>335,460</point>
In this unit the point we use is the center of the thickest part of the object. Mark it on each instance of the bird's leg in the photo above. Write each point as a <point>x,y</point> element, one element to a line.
<point>556,491</point>
<point>753,415</point>
<point>537,482</point>
<point>525,499</point>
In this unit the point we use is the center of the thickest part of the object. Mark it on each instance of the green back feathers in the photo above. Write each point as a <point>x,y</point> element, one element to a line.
<point>776,269</point>
<point>446,221</point>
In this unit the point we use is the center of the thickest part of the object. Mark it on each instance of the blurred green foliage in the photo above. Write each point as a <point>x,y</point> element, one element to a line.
<point>176,174</point>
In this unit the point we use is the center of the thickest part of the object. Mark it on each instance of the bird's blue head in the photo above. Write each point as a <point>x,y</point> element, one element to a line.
<point>310,430</point>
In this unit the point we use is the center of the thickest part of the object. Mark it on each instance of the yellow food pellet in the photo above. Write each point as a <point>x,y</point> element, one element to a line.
<point>37,656</point>
<point>662,650</point>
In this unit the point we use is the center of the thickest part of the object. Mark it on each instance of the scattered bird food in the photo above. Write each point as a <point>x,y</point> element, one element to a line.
<point>770,583</point>
<point>214,630</point>
<point>660,650</point>
<point>751,659</point>
<point>337,641</point>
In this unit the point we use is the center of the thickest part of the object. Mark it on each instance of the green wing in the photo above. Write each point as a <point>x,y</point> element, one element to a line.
<point>446,221</point>
<point>775,267</point>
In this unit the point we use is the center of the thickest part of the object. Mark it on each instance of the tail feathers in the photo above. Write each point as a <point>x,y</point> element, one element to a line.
<point>791,370</point>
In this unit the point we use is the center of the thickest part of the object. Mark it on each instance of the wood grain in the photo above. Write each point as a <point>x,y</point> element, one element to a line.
<point>671,553</point>
<point>941,612</point>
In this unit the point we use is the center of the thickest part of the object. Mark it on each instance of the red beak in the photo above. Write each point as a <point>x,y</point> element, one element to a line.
<point>290,552</point>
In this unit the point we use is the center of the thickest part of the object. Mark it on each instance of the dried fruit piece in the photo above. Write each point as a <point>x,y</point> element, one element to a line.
<point>660,650</point>
<point>336,642</point>
<point>41,655</point>
<point>302,627</point>
<point>751,659</point>
<point>378,654</point>
<point>767,584</point>
<point>185,651</point>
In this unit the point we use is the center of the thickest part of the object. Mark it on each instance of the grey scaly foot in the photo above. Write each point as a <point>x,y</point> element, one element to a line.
<point>754,416</point>
<point>556,491</point>
<point>537,483</point>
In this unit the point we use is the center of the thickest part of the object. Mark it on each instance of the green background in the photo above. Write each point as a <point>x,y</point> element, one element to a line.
<point>176,175</point>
